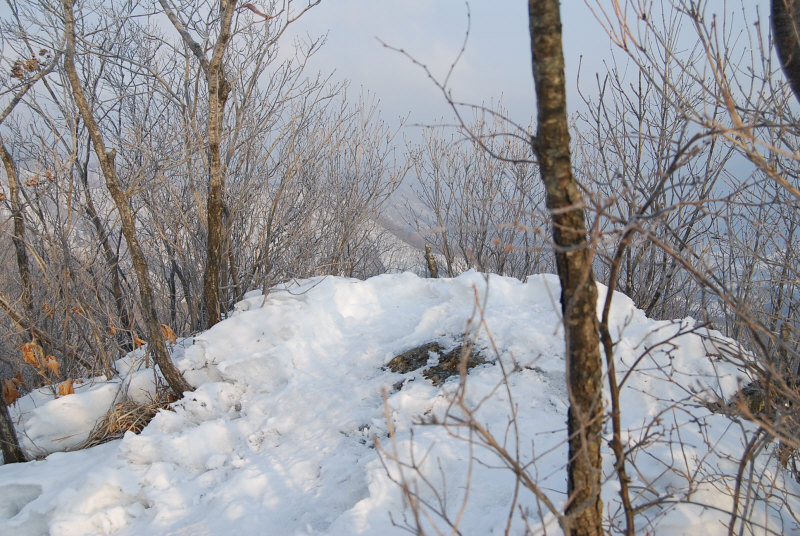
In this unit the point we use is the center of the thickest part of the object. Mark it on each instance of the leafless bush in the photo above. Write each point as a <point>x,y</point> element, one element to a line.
<point>480,209</point>
<point>726,227</point>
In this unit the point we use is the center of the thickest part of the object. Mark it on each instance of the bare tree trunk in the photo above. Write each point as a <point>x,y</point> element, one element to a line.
<point>106,159</point>
<point>574,262</point>
<point>18,238</point>
<point>218,90</point>
<point>9,443</point>
<point>786,26</point>
<point>431,262</point>
<point>125,339</point>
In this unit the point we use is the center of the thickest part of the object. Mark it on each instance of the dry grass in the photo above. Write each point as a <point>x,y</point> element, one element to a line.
<point>127,416</point>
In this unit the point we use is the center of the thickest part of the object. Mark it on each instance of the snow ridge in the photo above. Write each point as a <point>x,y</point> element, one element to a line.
<point>292,393</point>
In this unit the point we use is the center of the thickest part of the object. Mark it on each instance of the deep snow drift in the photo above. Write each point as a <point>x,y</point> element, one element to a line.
<point>280,435</point>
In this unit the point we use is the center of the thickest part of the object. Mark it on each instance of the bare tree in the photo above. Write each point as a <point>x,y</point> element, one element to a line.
<point>27,72</point>
<point>480,209</point>
<point>574,263</point>
<point>219,88</point>
<point>106,160</point>
<point>573,254</point>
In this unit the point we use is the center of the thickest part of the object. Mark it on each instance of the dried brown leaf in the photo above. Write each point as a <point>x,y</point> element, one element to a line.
<point>18,379</point>
<point>32,354</point>
<point>52,365</point>
<point>10,391</point>
<point>65,388</point>
<point>168,334</point>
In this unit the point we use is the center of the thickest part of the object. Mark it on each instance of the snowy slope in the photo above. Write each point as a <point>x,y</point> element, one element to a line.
<point>280,435</point>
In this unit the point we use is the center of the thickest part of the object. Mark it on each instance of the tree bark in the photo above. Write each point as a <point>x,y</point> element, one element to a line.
<point>9,442</point>
<point>584,513</point>
<point>433,270</point>
<point>218,90</point>
<point>106,159</point>
<point>786,27</point>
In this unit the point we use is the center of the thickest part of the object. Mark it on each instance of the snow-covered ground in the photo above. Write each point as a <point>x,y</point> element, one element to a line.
<point>290,428</point>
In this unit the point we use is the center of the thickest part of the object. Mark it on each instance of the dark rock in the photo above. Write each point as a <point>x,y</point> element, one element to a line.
<point>448,364</point>
<point>414,359</point>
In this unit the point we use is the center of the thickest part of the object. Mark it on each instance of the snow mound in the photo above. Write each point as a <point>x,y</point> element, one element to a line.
<point>296,425</point>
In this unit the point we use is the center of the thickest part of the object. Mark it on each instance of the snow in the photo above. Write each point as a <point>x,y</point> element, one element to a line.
<point>297,427</point>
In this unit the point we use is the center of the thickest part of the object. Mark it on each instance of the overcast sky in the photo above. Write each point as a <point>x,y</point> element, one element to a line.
<point>496,64</point>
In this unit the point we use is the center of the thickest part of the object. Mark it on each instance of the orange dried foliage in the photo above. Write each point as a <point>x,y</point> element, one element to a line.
<point>65,388</point>
<point>139,342</point>
<point>32,354</point>
<point>111,329</point>
<point>48,311</point>
<point>168,334</point>
<point>21,68</point>
<point>32,182</point>
<point>19,380</point>
<point>2,197</point>
<point>10,392</point>
<point>52,365</point>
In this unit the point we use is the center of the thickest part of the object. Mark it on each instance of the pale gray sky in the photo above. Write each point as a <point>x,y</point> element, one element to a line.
<point>496,64</point>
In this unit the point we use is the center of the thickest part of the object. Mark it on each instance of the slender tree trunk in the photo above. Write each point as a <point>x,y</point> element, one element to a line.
<point>214,207</point>
<point>106,159</point>
<point>433,270</point>
<point>218,90</point>
<point>233,269</point>
<point>9,442</point>
<point>574,262</point>
<point>124,339</point>
<point>18,239</point>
